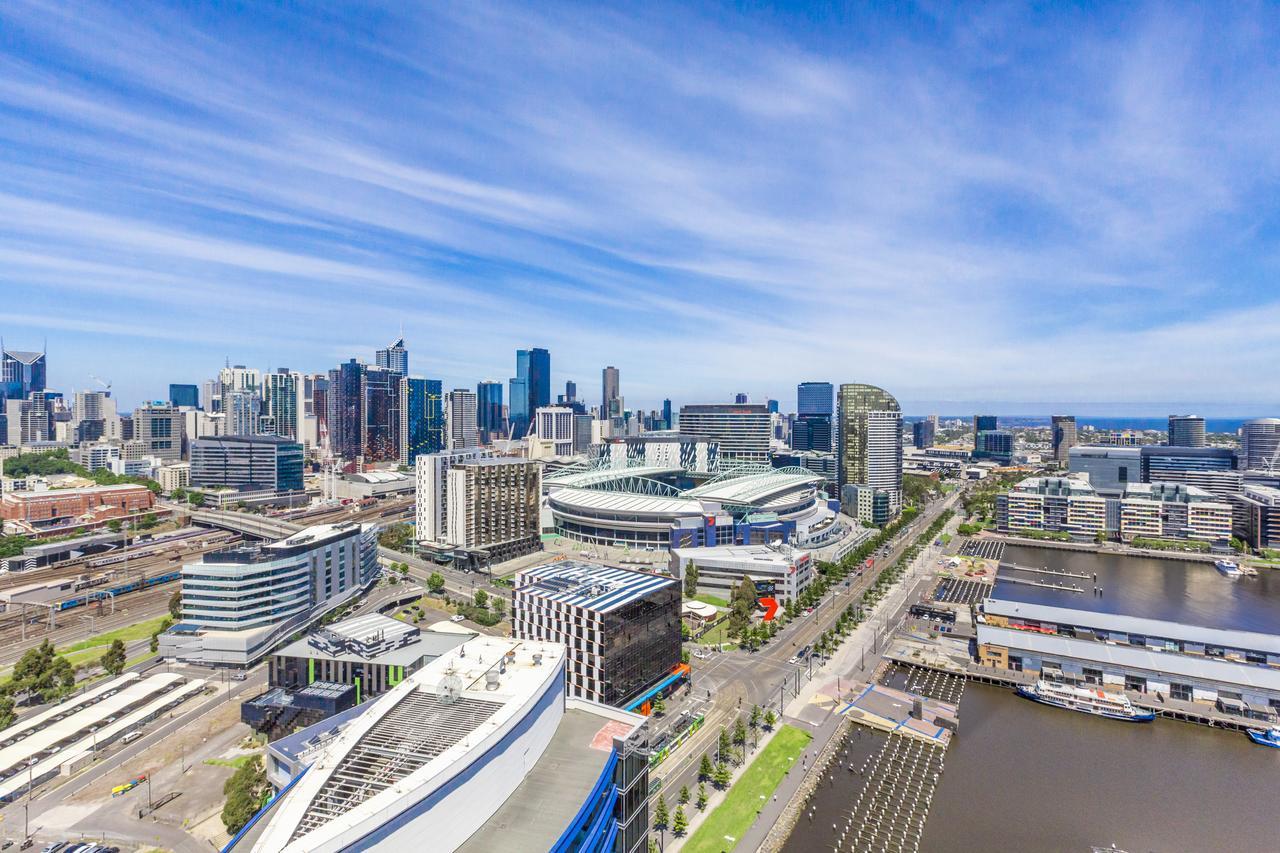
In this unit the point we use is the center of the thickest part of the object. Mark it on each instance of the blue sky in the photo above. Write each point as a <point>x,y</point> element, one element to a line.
<point>1004,203</point>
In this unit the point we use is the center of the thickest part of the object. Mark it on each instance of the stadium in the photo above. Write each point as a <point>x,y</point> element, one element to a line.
<point>660,507</point>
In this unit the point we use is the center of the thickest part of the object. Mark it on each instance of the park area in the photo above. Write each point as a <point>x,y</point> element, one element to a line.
<point>734,816</point>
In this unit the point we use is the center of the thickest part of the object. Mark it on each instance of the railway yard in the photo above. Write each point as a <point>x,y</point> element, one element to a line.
<point>92,594</point>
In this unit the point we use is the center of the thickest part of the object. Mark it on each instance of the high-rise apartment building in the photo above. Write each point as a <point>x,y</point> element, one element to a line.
<point>554,428</point>
<point>282,401</point>
<point>243,410</point>
<point>666,415</point>
<point>239,378</point>
<point>380,433</point>
<point>431,497</point>
<point>570,391</point>
<point>344,401</point>
<point>186,396</point>
<point>421,418</point>
<point>159,427</point>
<point>489,417</point>
<point>741,431</point>
<point>394,358</point>
<point>460,418</point>
<point>494,506</point>
<point>923,434</point>
<point>870,452</point>
<point>1186,431</point>
<point>30,421</point>
<point>94,417</point>
<point>1260,445</point>
<point>1064,438</point>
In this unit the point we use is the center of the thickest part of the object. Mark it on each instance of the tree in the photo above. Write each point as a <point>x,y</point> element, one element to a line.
<point>195,498</point>
<point>175,604</point>
<point>770,719</point>
<point>742,605</point>
<point>114,525</point>
<point>113,659</point>
<point>178,494</point>
<point>245,791</point>
<point>435,582</point>
<point>724,743</point>
<point>740,733</point>
<point>658,707</point>
<point>679,823</point>
<point>704,769</point>
<point>653,846</point>
<point>684,794</point>
<point>754,719</point>
<point>660,818</point>
<point>499,605</point>
<point>481,598</point>
<point>690,580</point>
<point>721,777</point>
<point>6,712</point>
<point>702,796</point>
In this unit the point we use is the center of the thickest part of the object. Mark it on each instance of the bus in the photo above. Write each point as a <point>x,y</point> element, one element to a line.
<point>130,737</point>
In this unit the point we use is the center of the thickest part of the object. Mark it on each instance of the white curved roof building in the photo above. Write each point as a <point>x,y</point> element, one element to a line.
<point>478,750</point>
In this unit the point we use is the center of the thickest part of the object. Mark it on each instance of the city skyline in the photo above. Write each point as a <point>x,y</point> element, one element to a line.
<point>1045,182</point>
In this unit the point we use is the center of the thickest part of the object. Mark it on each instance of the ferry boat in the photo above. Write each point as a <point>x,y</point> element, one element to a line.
<point>1097,702</point>
<point>1270,737</point>
<point>1229,568</point>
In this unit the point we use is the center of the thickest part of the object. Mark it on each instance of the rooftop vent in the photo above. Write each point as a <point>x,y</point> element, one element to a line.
<point>491,680</point>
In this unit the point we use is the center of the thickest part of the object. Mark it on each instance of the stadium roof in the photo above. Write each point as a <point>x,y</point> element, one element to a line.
<point>587,479</point>
<point>625,502</point>
<point>755,488</point>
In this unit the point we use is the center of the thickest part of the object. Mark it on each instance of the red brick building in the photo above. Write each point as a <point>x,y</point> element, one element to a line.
<point>75,507</point>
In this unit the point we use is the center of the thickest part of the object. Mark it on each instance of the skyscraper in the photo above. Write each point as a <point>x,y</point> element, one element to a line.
<point>815,402</point>
<point>1186,431</point>
<point>243,408</point>
<point>1260,445</point>
<point>1064,438</point>
<point>281,395</point>
<point>421,418</point>
<point>345,405</point>
<point>666,415</point>
<point>923,434</point>
<point>394,358</point>
<point>380,434</point>
<point>185,395</point>
<point>530,387</point>
<point>460,417</point>
<point>870,451</point>
<point>740,399</point>
<point>21,374</point>
<point>610,394</point>
<point>982,423</point>
<point>94,417</point>
<point>159,428</point>
<point>570,391</point>
<point>489,411</point>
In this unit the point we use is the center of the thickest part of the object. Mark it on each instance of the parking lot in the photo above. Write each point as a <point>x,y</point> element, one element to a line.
<point>986,549</point>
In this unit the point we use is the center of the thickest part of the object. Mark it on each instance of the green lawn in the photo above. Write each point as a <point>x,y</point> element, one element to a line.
<point>718,634</point>
<point>237,762</point>
<point>140,631</point>
<point>734,816</point>
<point>713,600</point>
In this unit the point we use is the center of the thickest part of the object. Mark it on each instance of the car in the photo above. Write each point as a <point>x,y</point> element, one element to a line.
<point>238,676</point>
<point>794,660</point>
<point>457,617</point>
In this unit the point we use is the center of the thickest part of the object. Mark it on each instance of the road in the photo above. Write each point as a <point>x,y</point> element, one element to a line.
<point>733,681</point>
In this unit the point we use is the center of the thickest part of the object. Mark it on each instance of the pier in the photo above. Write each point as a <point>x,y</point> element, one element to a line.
<point>1047,571</point>
<point>1062,586</point>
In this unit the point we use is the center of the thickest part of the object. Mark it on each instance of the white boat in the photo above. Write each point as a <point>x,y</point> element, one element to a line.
<point>1229,568</point>
<point>1114,706</point>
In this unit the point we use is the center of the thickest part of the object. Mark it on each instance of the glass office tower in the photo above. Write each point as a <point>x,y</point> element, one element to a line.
<point>421,418</point>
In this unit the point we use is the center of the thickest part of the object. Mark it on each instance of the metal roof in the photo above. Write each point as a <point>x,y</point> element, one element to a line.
<point>586,585</point>
<point>586,479</point>
<point>624,502</point>
<point>755,488</point>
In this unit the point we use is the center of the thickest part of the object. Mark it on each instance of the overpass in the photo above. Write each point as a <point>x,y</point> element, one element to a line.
<point>242,522</point>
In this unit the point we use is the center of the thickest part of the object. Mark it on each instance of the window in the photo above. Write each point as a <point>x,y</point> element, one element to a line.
<point>1136,683</point>
<point>1181,691</point>
<point>1092,676</point>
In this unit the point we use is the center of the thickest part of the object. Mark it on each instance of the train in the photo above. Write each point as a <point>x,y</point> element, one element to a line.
<point>120,588</point>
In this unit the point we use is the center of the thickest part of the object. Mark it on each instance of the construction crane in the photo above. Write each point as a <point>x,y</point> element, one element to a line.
<point>105,384</point>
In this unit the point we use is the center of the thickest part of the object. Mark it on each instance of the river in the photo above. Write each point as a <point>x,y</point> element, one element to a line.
<point>1027,777</point>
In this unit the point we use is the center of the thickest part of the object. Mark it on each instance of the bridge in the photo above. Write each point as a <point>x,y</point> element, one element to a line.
<point>242,522</point>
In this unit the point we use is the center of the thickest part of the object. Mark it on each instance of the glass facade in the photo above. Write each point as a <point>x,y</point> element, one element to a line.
<point>185,395</point>
<point>380,438</point>
<point>421,418</point>
<point>345,405</point>
<point>815,398</point>
<point>641,644</point>
<point>870,451</point>
<point>489,411</point>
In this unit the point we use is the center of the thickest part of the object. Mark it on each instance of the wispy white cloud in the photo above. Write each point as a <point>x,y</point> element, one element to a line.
<point>999,205</point>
